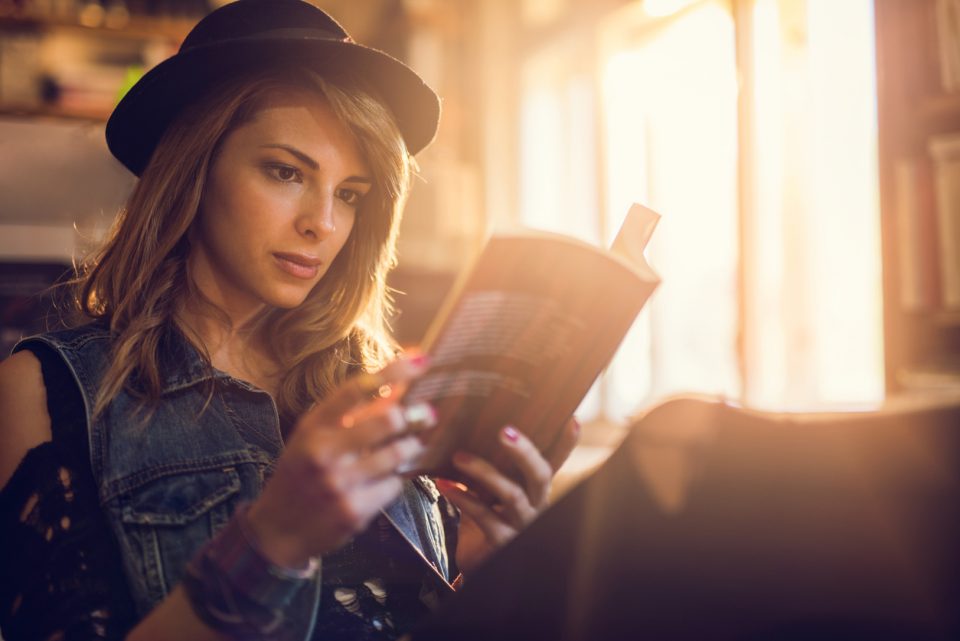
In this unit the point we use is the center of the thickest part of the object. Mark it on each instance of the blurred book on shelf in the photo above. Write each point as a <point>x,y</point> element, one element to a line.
<point>74,58</point>
<point>947,18</point>
<point>945,151</point>
<point>19,68</point>
<point>919,265</point>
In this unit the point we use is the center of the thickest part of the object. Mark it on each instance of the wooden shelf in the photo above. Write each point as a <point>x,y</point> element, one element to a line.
<point>947,318</point>
<point>933,379</point>
<point>136,28</point>
<point>922,347</point>
<point>939,114</point>
<point>52,111</point>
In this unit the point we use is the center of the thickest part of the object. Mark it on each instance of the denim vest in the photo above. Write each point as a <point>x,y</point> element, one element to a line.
<point>169,483</point>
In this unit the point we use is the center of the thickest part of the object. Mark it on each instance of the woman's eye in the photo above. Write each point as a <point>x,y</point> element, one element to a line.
<point>350,197</point>
<point>284,173</point>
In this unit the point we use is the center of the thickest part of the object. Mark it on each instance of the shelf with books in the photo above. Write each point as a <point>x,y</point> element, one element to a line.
<point>938,113</point>
<point>130,27</point>
<point>76,67</point>
<point>13,110</point>
<point>918,84</point>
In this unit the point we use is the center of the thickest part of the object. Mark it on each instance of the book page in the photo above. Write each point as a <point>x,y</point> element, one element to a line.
<point>488,328</point>
<point>522,337</point>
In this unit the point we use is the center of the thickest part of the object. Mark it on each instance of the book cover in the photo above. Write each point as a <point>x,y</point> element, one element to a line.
<point>524,334</point>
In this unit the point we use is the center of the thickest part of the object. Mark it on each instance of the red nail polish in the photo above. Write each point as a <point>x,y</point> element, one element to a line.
<point>511,433</point>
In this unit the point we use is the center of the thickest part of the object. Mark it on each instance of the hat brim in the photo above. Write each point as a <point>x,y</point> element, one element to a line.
<point>145,112</point>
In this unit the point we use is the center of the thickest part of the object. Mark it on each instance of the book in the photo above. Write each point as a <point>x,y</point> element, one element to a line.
<point>947,18</point>
<point>524,333</point>
<point>917,247</point>
<point>945,152</point>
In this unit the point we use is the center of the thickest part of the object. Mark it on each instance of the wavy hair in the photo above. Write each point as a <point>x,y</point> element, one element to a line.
<point>138,279</point>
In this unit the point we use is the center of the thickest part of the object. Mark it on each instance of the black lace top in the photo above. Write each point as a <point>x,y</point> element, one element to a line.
<point>60,569</point>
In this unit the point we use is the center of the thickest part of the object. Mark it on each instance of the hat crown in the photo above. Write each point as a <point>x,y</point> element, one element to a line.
<point>251,18</point>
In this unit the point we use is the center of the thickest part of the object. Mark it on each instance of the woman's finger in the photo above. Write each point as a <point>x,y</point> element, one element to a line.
<point>535,469</point>
<point>513,502</point>
<point>381,462</point>
<point>363,387</point>
<point>384,419</point>
<point>359,506</point>
<point>490,523</point>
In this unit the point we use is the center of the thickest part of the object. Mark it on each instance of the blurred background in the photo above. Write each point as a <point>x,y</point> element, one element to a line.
<point>804,155</point>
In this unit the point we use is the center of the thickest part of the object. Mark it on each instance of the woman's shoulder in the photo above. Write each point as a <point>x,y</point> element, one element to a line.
<point>87,346</point>
<point>72,337</point>
<point>24,421</point>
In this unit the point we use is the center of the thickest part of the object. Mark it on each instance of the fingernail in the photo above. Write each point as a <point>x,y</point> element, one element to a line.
<point>511,433</point>
<point>446,485</point>
<point>576,426</point>
<point>420,416</point>
<point>420,360</point>
<point>462,458</point>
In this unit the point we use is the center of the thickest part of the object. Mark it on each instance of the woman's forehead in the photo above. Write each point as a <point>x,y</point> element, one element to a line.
<point>302,118</point>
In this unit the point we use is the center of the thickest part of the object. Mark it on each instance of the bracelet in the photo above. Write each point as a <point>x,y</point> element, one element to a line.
<point>235,589</point>
<point>241,553</point>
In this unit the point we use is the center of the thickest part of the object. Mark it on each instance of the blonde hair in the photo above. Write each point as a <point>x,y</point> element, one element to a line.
<point>139,277</point>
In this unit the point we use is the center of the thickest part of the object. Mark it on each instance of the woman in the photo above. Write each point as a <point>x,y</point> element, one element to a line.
<point>209,451</point>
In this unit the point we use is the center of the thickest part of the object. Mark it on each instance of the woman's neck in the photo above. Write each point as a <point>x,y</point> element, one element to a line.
<point>234,347</point>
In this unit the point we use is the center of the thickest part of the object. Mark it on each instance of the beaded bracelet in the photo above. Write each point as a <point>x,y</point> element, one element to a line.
<point>235,589</point>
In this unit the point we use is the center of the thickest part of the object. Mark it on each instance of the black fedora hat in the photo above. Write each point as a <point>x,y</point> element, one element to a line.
<point>249,33</point>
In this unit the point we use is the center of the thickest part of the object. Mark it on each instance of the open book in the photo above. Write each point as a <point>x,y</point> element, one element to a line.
<point>523,335</point>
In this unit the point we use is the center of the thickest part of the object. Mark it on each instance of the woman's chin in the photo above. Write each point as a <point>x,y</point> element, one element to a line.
<point>286,297</point>
<point>287,302</point>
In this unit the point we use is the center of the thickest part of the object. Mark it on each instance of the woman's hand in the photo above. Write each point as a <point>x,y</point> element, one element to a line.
<point>487,524</point>
<point>338,469</point>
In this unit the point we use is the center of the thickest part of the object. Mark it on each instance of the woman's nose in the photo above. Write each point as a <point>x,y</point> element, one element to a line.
<point>316,219</point>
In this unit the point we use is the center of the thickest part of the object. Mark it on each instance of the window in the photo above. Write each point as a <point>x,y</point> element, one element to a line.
<point>754,134</point>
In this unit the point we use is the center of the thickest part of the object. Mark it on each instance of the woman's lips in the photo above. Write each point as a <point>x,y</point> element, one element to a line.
<point>299,265</point>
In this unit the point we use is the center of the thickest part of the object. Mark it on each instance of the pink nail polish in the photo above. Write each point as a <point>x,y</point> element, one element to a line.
<point>420,360</point>
<point>511,433</point>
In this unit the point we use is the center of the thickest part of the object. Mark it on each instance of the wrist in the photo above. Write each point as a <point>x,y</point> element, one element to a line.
<point>276,545</point>
<point>236,590</point>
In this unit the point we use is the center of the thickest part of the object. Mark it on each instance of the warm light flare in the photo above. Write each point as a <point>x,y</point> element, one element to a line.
<point>805,331</point>
<point>663,8</point>
<point>813,328</point>
<point>670,103</point>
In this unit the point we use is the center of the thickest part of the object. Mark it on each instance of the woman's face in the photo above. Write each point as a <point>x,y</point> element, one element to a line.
<point>279,204</point>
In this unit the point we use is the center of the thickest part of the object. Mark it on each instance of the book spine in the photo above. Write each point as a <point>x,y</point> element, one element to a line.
<point>945,151</point>
<point>948,39</point>
<point>918,254</point>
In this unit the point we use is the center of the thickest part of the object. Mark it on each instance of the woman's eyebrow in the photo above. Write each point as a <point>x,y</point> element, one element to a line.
<point>302,157</point>
<point>310,162</point>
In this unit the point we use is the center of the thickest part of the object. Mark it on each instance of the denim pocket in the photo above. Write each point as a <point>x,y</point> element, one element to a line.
<point>164,522</point>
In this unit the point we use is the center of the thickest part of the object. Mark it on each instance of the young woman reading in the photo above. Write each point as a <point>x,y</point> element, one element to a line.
<point>206,451</point>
